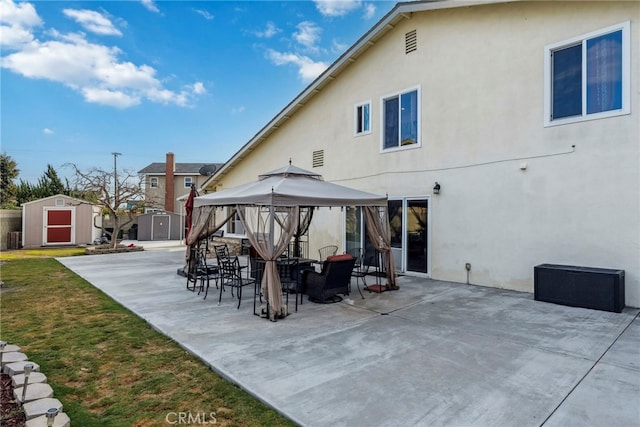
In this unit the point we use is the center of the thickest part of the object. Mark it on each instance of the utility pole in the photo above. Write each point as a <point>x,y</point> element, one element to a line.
<point>115,178</point>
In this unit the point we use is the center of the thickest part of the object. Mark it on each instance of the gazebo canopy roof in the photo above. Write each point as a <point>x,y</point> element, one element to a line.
<point>291,186</point>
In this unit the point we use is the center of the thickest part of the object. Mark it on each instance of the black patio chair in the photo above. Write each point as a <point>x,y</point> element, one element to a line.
<point>335,278</point>
<point>360,268</point>
<point>233,276</point>
<point>327,251</point>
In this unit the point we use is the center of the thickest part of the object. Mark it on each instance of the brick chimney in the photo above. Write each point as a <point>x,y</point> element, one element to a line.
<point>169,184</point>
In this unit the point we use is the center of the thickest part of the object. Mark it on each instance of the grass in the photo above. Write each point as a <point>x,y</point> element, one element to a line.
<point>40,253</point>
<point>107,366</point>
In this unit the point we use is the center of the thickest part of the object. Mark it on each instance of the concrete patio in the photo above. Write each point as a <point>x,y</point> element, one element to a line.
<point>431,354</point>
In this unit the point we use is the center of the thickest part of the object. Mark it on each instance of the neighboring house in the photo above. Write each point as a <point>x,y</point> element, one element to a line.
<point>523,115</point>
<point>60,220</point>
<point>161,197</point>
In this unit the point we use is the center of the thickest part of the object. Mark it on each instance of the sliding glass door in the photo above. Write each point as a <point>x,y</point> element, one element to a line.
<point>409,222</point>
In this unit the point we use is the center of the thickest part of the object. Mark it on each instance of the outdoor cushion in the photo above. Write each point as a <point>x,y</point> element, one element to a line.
<point>342,257</point>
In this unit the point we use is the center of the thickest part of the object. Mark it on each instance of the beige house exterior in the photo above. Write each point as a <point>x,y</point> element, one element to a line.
<point>60,220</point>
<point>526,114</point>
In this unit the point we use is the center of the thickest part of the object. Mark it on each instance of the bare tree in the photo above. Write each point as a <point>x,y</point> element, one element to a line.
<point>97,186</point>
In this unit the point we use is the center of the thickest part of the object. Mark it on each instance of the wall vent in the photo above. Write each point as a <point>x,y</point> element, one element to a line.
<point>410,42</point>
<point>318,158</point>
<point>59,202</point>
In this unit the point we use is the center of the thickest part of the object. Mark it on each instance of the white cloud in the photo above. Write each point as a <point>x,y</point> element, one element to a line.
<point>112,98</point>
<point>205,14</point>
<point>95,71</point>
<point>308,35</point>
<point>198,88</point>
<point>337,7</point>
<point>21,14</point>
<point>150,5</point>
<point>16,23</point>
<point>308,70</point>
<point>48,131</point>
<point>93,21</point>
<point>339,47</point>
<point>270,31</point>
<point>237,110</point>
<point>369,10</point>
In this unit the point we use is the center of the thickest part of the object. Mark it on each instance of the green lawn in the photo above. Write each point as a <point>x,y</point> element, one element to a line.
<point>107,366</point>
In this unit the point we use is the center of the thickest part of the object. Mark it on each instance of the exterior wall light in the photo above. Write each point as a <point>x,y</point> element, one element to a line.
<point>436,188</point>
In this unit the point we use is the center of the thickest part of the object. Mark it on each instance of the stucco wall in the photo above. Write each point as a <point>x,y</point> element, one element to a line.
<point>514,193</point>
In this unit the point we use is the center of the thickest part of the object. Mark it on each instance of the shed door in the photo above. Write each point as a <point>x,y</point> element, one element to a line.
<point>160,227</point>
<point>58,226</point>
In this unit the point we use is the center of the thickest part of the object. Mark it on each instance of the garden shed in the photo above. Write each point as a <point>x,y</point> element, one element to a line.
<point>60,220</point>
<point>160,226</point>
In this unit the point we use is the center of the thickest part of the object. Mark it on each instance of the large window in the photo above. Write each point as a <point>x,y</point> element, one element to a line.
<point>400,120</point>
<point>588,77</point>
<point>363,118</point>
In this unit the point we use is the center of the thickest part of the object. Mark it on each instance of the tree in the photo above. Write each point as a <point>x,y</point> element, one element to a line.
<point>8,172</point>
<point>97,185</point>
<point>49,184</point>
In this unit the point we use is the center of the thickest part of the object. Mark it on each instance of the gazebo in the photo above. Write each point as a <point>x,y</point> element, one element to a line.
<point>272,209</point>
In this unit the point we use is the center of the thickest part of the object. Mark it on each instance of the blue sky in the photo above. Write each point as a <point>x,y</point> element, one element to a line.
<point>80,80</point>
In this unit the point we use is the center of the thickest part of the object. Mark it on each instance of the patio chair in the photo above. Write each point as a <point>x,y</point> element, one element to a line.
<point>290,279</point>
<point>198,270</point>
<point>234,276</point>
<point>327,251</point>
<point>360,268</point>
<point>335,278</point>
<point>221,250</point>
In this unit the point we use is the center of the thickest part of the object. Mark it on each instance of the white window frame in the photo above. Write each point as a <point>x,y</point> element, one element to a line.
<point>399,93</point>
<point>190,179</point>
<point>626,72</point>
<point>356,121</point>
<point>153,182</point>
<point>232,224</point>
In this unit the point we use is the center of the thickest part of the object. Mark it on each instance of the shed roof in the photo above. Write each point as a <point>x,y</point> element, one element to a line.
<point>57,196</point>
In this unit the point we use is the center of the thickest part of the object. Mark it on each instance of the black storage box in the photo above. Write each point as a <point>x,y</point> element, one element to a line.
<point>587,287</point>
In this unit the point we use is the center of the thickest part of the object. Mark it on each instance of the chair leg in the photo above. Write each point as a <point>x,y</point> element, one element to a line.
<point>364,284</point>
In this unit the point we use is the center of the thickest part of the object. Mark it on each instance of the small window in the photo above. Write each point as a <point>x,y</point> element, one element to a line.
<point>153,182</point>
<point>363,118</point>
<point>588,77</point>
<point>400,124</point>
<point>188,181</point>
<point>59,202</point>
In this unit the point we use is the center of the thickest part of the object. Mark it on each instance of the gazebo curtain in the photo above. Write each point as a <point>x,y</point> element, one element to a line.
<point>207,220</point>
<point>269,230</point>
<point>379,233</point>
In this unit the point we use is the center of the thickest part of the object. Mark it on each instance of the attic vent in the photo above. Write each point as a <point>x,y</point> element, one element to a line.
<point>410,42</point>
<point>318,158</point>
<point>59,202</point>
